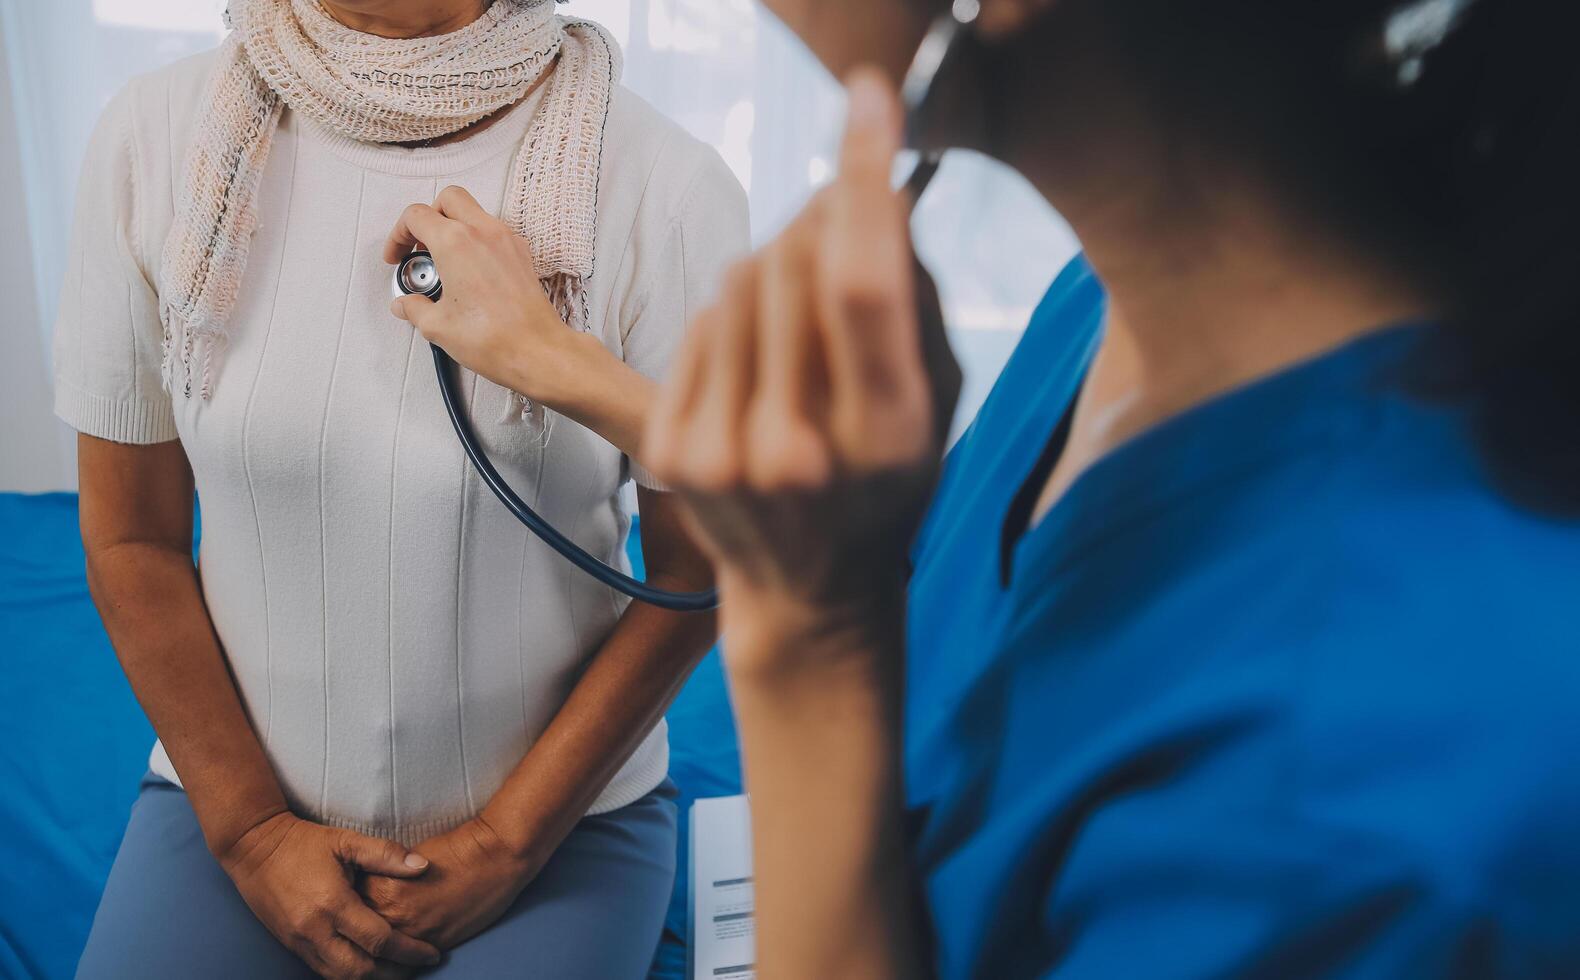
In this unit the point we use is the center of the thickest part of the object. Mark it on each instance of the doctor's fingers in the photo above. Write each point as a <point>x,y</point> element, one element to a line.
<point>713,454</point>
<point>421,224</point>
<point>457,202</point>
<point>430,319</point>
<point>664,433</point>
<point>669,433</point>
<point>786,447</point>
<point>866,295</point>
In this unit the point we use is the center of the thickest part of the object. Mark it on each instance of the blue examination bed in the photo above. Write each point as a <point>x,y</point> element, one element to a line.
<point>73,745</point>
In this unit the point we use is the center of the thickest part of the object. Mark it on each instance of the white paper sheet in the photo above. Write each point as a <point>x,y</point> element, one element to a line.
<point>723,913</point>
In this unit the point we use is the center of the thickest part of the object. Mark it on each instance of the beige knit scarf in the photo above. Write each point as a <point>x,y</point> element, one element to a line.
<point>291,53</point>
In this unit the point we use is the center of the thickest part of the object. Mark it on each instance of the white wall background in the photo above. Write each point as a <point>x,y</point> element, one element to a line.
<point>723,68</point>
<point>33,451</point>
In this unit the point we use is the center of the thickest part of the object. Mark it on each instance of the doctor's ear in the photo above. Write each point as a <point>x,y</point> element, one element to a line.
<point>1005,18</point>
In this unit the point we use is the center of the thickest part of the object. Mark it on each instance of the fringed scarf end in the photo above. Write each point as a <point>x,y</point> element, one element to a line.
<point>189,357</point>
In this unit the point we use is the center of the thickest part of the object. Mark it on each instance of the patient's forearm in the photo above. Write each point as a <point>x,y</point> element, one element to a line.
<point>137,534</point>
<point>623,694</point>
<point>616,703</point>
<point>155,616</point>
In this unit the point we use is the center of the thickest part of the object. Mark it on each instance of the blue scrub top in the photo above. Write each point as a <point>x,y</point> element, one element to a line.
<point>1282,687</point>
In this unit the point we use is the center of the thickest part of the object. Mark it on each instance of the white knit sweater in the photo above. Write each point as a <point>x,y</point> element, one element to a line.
<point>398,639</point>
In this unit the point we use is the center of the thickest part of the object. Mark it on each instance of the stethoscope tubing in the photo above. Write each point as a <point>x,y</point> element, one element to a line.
<point>446,369</point>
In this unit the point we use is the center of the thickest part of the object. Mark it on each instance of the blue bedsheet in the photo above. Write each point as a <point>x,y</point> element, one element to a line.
<point>73,745</point>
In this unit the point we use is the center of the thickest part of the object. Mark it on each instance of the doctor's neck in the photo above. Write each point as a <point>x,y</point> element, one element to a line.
<point>1232,238</point>
<point>405,18</point>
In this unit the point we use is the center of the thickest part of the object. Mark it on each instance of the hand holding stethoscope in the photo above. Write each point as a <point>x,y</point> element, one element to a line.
<point>491,315</point>
<point>806,415</point>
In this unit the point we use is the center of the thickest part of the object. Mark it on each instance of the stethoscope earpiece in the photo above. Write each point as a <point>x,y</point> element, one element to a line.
<point>943,37</point>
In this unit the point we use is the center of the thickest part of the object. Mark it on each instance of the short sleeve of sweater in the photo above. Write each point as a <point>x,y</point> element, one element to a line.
<point>108,337</point>
<point>710,229</point>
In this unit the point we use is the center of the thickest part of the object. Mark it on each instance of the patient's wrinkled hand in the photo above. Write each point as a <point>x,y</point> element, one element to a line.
<point>296,877</point>
<point>473,877</point>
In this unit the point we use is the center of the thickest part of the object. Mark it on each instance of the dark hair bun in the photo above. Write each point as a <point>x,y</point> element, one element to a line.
<point>1499,103</point>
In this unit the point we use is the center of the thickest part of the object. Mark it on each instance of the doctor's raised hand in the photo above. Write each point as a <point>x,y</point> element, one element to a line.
<point>495,318</point>
<point>805,419</point>
<point>803,428</point>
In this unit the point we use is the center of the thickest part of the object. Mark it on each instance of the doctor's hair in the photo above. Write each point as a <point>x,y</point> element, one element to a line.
<point>1444,131</point>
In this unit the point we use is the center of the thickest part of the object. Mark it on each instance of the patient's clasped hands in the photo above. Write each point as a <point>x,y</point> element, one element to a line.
<point>355,906</point>
<point>473,877</point>
<point>298,878</point>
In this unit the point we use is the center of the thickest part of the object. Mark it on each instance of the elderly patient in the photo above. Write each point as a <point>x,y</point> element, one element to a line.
<point>395,732</point>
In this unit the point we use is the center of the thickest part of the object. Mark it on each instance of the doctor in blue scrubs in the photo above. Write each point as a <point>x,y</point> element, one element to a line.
<point>1240,635</point>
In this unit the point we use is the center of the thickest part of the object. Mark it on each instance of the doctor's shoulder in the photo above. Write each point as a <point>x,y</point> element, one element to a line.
<point>1435,709</point>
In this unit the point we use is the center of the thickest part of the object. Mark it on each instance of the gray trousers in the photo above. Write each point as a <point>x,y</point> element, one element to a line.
<point>594,913</point>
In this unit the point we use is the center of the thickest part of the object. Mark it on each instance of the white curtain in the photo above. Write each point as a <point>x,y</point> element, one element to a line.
<point>724,69</point>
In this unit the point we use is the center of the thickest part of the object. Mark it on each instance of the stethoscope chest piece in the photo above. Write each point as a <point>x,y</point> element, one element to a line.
<point>417,275</point>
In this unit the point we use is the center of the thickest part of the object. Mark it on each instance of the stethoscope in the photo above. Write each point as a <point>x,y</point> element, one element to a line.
<point>417,274</point>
